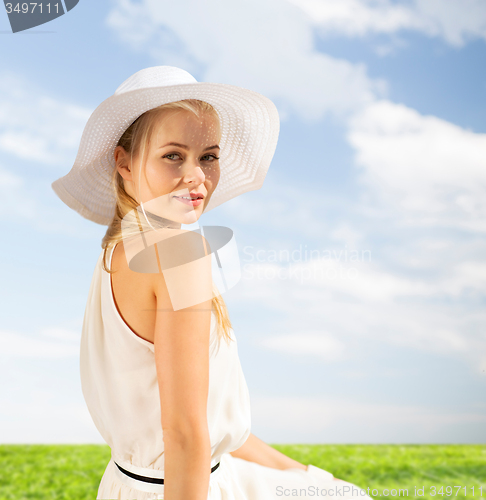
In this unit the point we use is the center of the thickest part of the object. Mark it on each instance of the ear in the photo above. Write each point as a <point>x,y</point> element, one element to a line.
<point>122,162</point>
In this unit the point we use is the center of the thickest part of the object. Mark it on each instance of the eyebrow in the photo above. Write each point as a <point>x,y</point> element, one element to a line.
<point>185,147</point>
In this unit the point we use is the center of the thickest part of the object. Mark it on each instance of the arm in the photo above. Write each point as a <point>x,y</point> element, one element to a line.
<point>255,450</point>
<point>181,342</point>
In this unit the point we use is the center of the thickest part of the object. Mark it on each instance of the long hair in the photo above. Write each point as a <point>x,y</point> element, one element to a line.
<point>135,141</point>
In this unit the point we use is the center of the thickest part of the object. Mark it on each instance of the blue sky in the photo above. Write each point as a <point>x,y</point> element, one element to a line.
<point>382,151</point>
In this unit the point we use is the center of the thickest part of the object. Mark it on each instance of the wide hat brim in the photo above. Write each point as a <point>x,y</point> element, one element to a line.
<point>249,133</point>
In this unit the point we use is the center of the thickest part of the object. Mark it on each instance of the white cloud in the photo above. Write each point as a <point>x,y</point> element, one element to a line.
<point>37,127</point>
<point>18,345</point>
<point>417,290</point>
<point>314,344</point>
<point>356,302</point>
<point>42,399</point>
<point>345,232</point>
<point>358,17</point>
<point>431,170</point>
<point>62,334</point>
<point>391,46</point>
<point>270,49</point>
<point>9,180</point>
<point>14,197</point>
<point>456,21</point>
<point>44,417</point>
<point>332,420</point>
<point>22,200</point>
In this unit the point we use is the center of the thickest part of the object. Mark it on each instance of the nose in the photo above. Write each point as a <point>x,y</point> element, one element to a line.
<point>193,173</point>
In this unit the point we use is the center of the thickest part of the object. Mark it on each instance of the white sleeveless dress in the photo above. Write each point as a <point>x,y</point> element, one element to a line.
<point>120,387</point>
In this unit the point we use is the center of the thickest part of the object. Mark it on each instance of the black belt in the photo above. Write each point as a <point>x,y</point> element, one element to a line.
<point>155,480</point>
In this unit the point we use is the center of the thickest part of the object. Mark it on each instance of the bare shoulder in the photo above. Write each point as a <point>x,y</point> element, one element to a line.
<point>133,294</point>
<point>119,263</point>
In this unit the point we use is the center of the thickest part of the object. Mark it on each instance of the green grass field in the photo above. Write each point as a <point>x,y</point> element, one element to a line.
<point>73,472</point>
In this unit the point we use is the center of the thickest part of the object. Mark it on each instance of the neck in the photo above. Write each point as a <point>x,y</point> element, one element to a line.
<point>162,221</point>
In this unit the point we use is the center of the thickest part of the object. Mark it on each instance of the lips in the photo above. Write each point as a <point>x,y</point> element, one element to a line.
<point>192,196</point>
<point>193,199</point>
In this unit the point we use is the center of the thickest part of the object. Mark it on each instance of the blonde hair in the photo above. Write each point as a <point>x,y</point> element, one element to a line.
<point>135,141</point>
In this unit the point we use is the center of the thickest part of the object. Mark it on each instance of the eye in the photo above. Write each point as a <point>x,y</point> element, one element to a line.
<point>211,155</point>
<point>171,154</point>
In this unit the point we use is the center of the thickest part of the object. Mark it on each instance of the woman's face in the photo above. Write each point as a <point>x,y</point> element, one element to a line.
<point>182,162</point>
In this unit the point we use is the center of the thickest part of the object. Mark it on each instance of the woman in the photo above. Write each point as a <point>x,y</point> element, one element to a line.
<point>159,363</point>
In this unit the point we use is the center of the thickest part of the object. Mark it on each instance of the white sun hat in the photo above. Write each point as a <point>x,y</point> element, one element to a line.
<point>249,132</point>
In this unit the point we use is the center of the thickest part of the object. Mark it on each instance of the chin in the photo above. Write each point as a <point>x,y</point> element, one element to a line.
<point>191,217</point>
